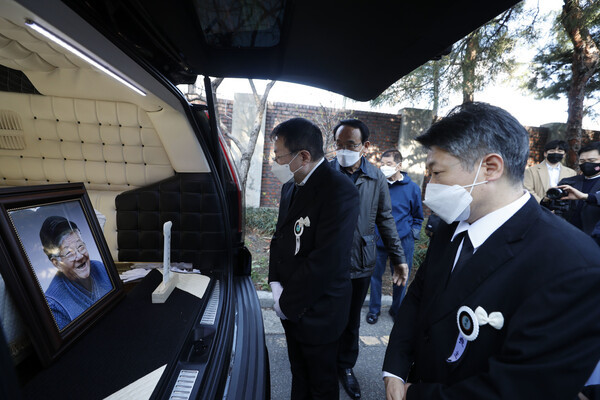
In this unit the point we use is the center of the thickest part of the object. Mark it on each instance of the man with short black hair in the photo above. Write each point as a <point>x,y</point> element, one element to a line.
<point>584,190</point>
<point>505,305</point>
<point>540,177</point>
<point>352,142</point>
<point>308,262</point>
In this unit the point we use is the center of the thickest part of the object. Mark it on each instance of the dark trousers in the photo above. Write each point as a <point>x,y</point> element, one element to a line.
<point>348,350</point>
<point>314,369</point>
<point>408,244</point>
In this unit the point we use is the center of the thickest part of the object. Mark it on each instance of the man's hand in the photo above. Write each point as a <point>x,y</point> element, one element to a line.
<point>277,289</point>
<point>395,389</point>
<point>572,193</point>
<point>400,276</point>
<point>278,311</point>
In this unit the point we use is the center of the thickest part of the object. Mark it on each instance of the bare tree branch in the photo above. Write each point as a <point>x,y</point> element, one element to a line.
<point>235,140</point>
<point>215,83</point>
<point>261,105</point>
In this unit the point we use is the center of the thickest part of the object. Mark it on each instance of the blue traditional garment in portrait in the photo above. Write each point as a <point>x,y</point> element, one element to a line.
<point>68,299</point>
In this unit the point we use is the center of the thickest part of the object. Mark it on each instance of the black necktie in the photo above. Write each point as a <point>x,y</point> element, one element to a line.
<point>294,193</point>
<point>465,253</point>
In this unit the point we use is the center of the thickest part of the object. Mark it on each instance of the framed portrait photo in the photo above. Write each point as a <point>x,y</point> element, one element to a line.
<point>55,263</point>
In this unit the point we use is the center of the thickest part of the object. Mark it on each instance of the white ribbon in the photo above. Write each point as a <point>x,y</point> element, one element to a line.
<point>495,319</point>
<point>299,230</point>
<point>304,221</point>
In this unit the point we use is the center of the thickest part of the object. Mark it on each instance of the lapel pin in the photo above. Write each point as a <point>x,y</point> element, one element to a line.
<point>494,319</point>
<point>468,322</point>
<point>299,230</point>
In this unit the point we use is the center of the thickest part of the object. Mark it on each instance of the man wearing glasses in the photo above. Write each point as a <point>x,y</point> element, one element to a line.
<point>79,281</point>
<point>308,260</point>
<point>352,141</point>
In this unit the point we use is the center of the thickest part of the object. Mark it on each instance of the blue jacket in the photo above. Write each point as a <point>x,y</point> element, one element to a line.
<point>67,299</point>
<point>406,208</point>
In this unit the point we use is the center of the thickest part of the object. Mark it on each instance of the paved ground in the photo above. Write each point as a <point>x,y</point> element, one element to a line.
<point>373,341</point>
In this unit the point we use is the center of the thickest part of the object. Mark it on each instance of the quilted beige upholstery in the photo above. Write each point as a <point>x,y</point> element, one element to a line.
<point>109,146</point>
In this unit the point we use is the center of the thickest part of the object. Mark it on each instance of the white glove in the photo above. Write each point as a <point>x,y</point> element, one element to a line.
<point>133,274</point>
<point>277,289</point>
<point>278,311</point>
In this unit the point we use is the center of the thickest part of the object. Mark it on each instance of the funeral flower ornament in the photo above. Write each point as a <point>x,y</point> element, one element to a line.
<point>494,319</point>
<point>468,322</point>
<point>299,230</point>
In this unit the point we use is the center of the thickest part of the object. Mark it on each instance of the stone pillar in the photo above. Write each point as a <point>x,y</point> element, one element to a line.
<point>244,113</point>
<point>414,122</point>
<point>556,131</point>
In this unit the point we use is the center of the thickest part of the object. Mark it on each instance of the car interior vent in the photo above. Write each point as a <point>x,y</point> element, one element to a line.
<point>11,131</point>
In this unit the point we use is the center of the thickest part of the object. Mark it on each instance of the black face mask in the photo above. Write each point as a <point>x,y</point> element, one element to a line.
<point>589,168</point>
<point>553,158</point>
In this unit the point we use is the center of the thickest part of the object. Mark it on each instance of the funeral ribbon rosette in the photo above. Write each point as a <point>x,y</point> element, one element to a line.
<point>299,230</point>
<point>468,322</point>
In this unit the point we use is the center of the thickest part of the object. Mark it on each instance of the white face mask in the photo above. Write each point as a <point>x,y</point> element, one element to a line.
<point>283,172</point>
<point>347,158</point>
<point>451,203</point>
<point>388,171</point>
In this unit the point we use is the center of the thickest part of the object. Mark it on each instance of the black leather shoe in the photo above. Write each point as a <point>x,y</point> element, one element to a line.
<point>372,318</point>
<point>350,383</point>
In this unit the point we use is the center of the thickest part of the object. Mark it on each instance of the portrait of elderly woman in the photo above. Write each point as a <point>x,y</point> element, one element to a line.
<point>79,281</point>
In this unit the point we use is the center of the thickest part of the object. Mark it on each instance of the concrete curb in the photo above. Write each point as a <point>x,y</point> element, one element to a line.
<point>266,299</point>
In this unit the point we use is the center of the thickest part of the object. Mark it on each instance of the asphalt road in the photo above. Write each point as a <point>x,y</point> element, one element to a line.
<point>373,341</point>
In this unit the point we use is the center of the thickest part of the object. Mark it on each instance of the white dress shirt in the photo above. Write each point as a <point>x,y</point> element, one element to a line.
<point>480,230</point>
<point>553,174</point>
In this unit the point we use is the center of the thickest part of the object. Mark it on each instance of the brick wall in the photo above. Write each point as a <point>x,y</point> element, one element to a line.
<point>384,130</point>
<point>537,139</point>
<point>590,136</point>
<point>538,136</point>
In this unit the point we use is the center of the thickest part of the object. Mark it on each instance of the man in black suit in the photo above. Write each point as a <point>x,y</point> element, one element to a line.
<point>584,190</point>
<point>505,305</point>
<point>309,256</point>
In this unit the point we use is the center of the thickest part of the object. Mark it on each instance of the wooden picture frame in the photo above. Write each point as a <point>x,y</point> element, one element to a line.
<point>55,262</point>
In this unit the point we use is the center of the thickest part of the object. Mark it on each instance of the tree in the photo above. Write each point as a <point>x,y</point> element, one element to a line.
<point>570,66</point>
<point>326,119</point>
<point>423,84</point>
<point>246,149</point>
<point>474,62</point>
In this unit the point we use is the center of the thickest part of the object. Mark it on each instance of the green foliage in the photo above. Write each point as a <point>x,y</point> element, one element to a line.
<point>474,62</point>
<point>423,84</point>
<point>260,273</point>
<point>551,70</point>
<point>262,219</point>
<point>421,247</point>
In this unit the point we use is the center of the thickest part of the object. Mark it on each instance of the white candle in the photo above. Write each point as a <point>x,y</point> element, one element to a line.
<point>167,251</point>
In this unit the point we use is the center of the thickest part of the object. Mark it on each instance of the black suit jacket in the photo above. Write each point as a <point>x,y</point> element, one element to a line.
<point>543,275</point>
<point>589,213</point>
<point>316,280</point>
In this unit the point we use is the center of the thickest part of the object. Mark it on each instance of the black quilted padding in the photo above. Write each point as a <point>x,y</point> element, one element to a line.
<point>188,200</point>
